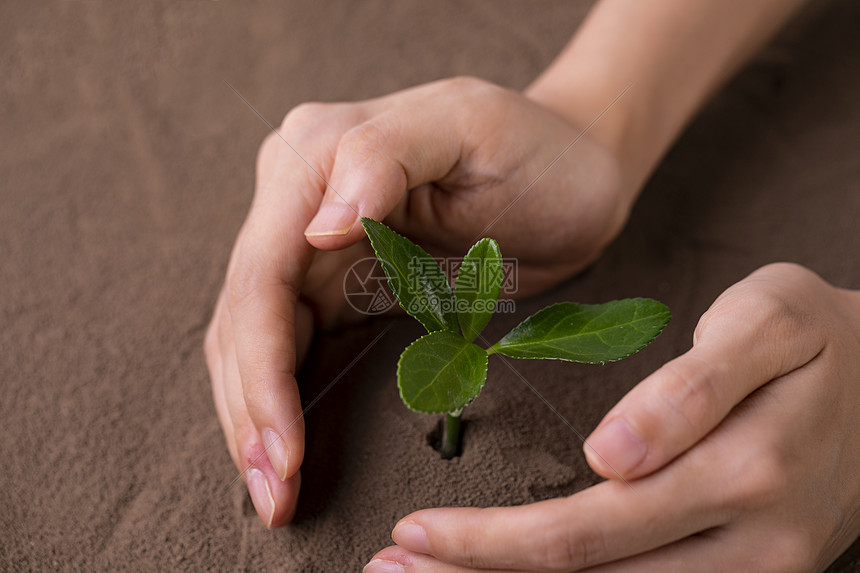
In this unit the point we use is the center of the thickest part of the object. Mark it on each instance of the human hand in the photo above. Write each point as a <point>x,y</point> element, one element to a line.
<point>467,151</point>
<point>741,455</point>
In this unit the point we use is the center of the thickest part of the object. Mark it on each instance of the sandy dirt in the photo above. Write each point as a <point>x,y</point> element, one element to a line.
<point>127,167</point>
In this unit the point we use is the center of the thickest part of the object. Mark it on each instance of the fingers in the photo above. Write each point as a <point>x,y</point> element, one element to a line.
<point>273,499</point>
<point>751,335</point>
<point>259,345</point>
<point>267,267</point>
<point>606,522</point>
<point>395,559</point>
<point>720,492</point>
<point>395,150</point>
<point>266,271</point>
<point>703,553</point>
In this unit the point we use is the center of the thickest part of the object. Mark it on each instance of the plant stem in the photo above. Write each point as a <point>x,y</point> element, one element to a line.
<point>451,435</point>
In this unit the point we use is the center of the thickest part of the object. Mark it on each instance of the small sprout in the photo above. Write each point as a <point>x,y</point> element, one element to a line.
<point>444,370</point>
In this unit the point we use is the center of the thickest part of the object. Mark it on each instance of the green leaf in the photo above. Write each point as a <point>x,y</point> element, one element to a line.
<point>415,279</point>
<point>479,282</point>
<point>586,333</point>
<point>441,372</point>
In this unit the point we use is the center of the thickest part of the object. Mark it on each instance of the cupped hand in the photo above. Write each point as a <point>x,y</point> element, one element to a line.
<point>741,455</point>
<point>444,163</point>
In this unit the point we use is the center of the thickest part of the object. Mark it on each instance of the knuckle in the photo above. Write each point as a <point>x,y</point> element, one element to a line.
<point>467,84</point>
<point>688,387</point>
<point>761,482</point>
<point>256,392</point>
<point>365,140</point>
<point>302,123</point>
<point>466,543</point>
<point>467,554</point>
<point>262,383</point>
<point>304,115</point>
<point>780,319</point>
<point>781,270</point>
<point>761,305</point>
<point>768,305</point>
<point>563,549</point>
<point>475,97</point>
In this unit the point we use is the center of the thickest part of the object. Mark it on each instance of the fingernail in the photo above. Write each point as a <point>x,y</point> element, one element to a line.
<point>381,566</point>
<point>618,446</point>
<point>333,219</point>
<point>411,536</point>
<point>261,495</point>
<point>277,451</point>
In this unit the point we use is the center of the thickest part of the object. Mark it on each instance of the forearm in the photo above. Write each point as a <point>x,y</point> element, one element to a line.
<point>671,53</point>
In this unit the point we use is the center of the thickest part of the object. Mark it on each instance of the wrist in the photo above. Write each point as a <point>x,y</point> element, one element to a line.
<point>671,54</point>
<point>605,111</point>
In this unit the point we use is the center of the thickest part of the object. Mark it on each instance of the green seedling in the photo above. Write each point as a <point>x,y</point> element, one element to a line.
<point>444,370</point>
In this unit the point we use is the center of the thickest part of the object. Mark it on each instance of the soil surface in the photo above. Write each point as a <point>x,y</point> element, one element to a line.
<point>127,167</point>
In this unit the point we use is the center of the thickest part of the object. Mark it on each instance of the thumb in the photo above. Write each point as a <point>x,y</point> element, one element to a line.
<point>747,339</point>
<point>403,147</point>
